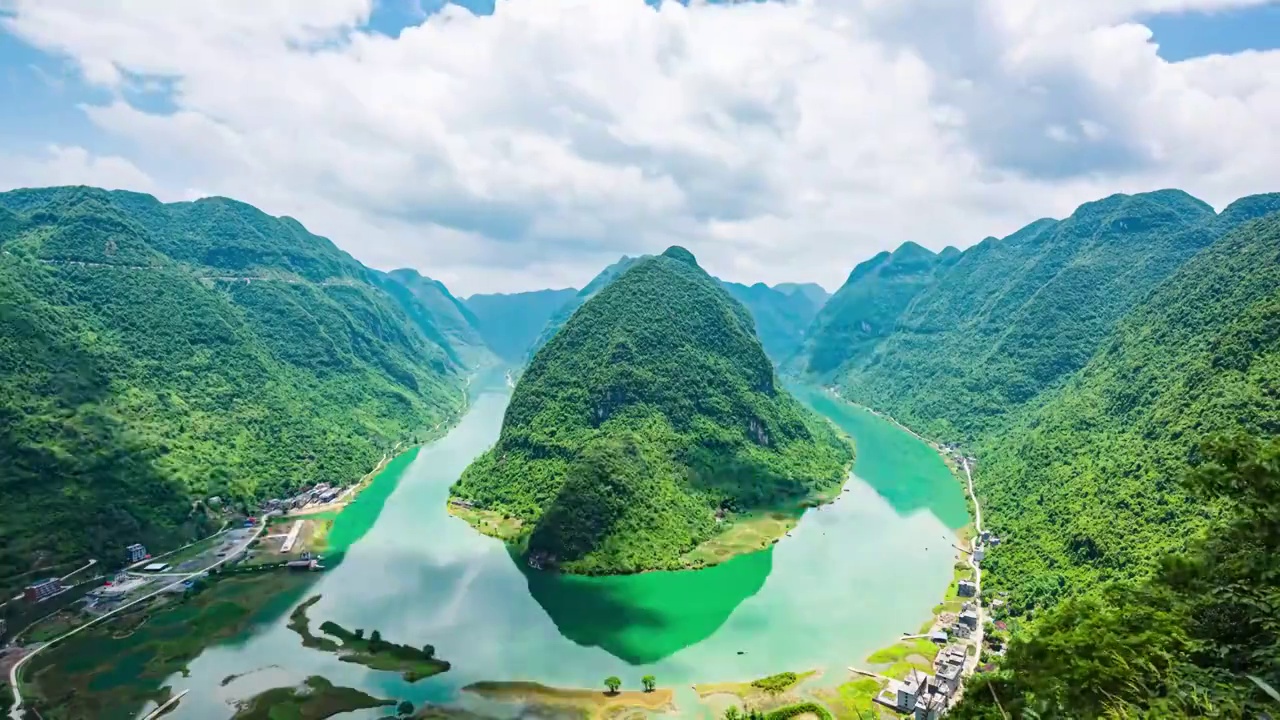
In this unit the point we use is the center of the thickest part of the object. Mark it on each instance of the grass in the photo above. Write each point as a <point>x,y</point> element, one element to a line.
<point>593,704</point>
<point>744,534</point>
<point>903,649</point>
<point>315,699</point>
<point>900,669</point>
<point>759,692</point>
<point>854,700</point>
<point>489,522</point>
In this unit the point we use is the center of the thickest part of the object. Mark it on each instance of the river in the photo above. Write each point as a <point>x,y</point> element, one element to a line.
<point>852,577</point>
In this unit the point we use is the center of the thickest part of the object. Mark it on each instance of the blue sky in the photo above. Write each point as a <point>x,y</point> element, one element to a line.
<point>530,146</point>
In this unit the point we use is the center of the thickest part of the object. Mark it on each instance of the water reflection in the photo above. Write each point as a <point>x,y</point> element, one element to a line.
<point>644,618</point>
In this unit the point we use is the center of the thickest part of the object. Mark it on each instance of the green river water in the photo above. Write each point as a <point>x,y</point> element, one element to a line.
<point>852,577</point>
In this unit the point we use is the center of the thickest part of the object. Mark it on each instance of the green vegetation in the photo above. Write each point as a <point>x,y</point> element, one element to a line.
<point>866,308</point>
<point>775,684</point>
<point>1086,488</point>
<point>1200,638</point>
<point>373,652</point>
<point>996,326</point>
<point>805,708</point>
<point>153,356</point>
<point>442,318</point>
<point>566,311</point>
<point>110,671</point>
<point>650,412</point>
<point>854,700</point>
<point>903,649</point>
<point>511,323</point>
<point>315,699</point>
<point>613,683</point>
<point>649,682</point>
<point>781,317</point>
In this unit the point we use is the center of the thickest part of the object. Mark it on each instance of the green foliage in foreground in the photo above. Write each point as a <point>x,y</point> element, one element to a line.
<point>1201,638</point>
<point>653,408</point>
<point>153,356</point>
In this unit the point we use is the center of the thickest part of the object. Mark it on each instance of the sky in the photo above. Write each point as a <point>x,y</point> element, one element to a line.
<point>520,144</point>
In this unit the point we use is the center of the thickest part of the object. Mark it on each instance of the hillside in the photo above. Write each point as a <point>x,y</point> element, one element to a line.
<point>1085,486</point>
<point>781,317</point>
<point>441,317</point>
<point>154,355</point>
<point>1012,318</point>
<point>781,313</point>
<point>1156,466</point>
<point>866,309</point>
<point>653,408</point>
<point>511,323</point>
<point>565,311</point>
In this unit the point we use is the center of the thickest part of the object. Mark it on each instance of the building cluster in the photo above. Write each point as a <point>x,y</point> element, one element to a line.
<point>927,696</point>
<point>320,494</point>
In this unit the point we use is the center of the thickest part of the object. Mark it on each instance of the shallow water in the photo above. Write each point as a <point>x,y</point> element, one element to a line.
<point>852,577</point>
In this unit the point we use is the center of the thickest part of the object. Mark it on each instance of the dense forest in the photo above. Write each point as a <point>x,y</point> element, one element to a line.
<point>1009,319</point>
<point>653,408</point>
<point>154,356</point>
<point>566,311</point>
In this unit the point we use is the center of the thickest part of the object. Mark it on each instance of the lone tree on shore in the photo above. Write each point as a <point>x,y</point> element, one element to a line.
<point>613,683</point>
<point>649,682</point>
<point>404,708</point>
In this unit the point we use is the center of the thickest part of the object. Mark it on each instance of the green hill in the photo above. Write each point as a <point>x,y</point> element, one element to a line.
<point>1090,487</point>
<point>442,318</point>
<point>565,311</point>
<point>652,409</point>
<point>781,313</point>
<point>155,355</point>
<point>511,323</point>
<point>866,308</point>
<point>1008,319</point>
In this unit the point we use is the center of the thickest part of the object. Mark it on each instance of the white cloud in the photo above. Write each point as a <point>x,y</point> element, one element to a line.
<point>61,165</point>
<point>776,140</point>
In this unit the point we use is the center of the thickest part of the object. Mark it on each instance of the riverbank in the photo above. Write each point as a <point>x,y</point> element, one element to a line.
<point>593,704</point>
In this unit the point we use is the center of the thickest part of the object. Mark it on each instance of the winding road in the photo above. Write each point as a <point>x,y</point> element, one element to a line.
<point>17,711</point>
<point>971,664</point>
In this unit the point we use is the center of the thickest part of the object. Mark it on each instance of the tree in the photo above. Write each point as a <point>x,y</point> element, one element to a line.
<point>429,651</point>
<point>359,633</point>
<point>404,708</point>
<point>649,682</point>
<point>613,683</point>
<point>376,637</point>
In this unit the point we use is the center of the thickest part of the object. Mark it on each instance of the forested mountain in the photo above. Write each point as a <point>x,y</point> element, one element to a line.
<point>865,310</point>
<point>653,408</point>
<point>781,317</point>
<point>1087,488</point>
<point>565,311</point>
<point>154,355</point>
<point>511,323</point>
<point>781,313</point>
<point>442,318</point>
<point>1009,319</point>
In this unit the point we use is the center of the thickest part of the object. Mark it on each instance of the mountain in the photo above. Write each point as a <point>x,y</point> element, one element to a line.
<point>817,295</point>
<point>1084,485</point>
<point>565,311</point>
<point>650,412</point>
<point>155,355</point>
<point>442,318</point>
<point>511,323</point>
<point>1155,467</point>
<point>1009,319</point>
<point>781,317</point>
<point>866,309</point>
